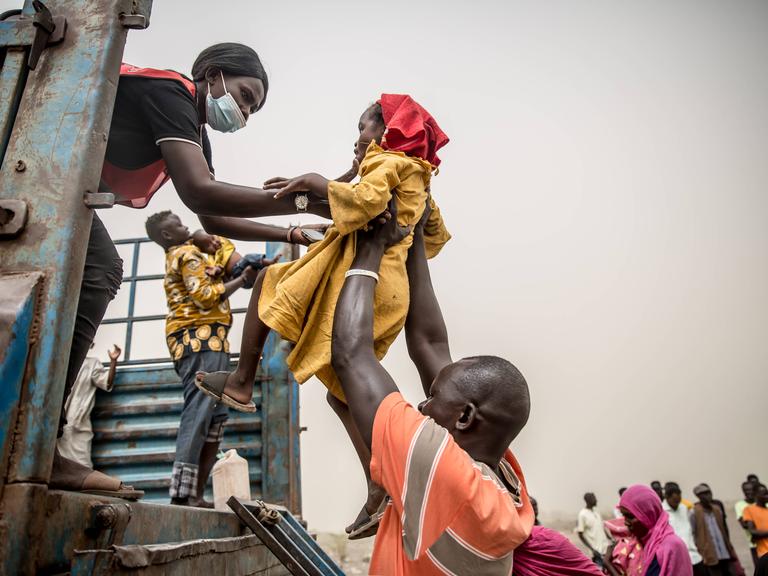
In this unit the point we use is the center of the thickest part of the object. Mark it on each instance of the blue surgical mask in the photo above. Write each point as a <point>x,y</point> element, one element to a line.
<point>223,114</point>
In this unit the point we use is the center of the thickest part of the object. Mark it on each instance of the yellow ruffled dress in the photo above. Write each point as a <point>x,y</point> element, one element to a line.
<point>298,299</point>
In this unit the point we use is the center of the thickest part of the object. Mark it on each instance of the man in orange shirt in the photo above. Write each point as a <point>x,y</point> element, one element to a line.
<point>458,502</point>
<point>755,518</point>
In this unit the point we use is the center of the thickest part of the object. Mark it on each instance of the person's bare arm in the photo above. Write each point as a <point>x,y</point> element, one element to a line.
<point>364,380</point>
<point>113,354</point>
<point>607,564</point>
<point>425,332</point>
<point>235,284</point>
<point>756,534</point>
<point>587,544</point>
<point>247,230</point>
<point>203,195</point>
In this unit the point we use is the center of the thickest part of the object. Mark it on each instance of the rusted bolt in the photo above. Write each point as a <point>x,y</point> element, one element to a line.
<point>20,166</point>
<point>106,517</point>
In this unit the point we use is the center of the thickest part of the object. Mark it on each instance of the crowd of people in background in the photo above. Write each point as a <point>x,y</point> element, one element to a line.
<point>677,536</point>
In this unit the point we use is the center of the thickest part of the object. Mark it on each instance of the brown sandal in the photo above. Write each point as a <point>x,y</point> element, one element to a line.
<point>213,383</point>
<point>73,476</point>
<point>369,526</point>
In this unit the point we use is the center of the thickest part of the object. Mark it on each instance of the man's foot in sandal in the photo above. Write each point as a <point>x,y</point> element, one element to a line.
<point>214,385</point>
<point>69,475</point>
<point>367,522</point>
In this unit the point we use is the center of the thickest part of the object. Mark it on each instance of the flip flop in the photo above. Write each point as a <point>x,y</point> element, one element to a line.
<point>212,384</point>
<point>371,526</point>
<point>69,475</point>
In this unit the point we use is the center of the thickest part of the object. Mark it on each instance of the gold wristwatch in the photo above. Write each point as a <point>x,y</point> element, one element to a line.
<point>302,202</point>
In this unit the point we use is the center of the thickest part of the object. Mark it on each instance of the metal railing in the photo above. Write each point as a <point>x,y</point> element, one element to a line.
<point>130,318</point>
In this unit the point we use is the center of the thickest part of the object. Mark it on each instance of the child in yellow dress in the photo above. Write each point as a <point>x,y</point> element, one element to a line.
<point>297,299</point>
<point>396,151</point>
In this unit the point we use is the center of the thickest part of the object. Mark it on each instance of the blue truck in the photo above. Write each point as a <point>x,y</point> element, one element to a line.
<point>60,67</point>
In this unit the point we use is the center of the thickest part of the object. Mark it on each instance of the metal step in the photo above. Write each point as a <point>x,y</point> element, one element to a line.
<point>141,429</point>
<point>156,452</point>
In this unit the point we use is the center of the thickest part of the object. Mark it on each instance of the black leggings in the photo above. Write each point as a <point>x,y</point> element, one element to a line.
<point>102,276</point>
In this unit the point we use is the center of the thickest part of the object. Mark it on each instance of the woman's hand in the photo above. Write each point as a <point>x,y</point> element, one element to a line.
<point>322,228</point>
<point>298,237</point>
<point>114,354</point>
<point>312,183</point>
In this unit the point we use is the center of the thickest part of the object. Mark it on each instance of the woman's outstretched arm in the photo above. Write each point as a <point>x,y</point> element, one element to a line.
<point>207,197</point>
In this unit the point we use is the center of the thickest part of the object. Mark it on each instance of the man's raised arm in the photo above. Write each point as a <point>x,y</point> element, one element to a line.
<point>425,331</point>
<point>364,381</point>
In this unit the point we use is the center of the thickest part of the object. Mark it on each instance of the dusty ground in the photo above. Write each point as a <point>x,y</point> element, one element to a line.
<point>354,556</point>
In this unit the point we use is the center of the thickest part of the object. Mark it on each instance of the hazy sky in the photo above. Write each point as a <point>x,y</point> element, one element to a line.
<point>606,185</point>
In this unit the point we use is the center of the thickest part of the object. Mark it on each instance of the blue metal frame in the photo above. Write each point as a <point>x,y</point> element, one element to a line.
<point>18,295</point>
<point>53,157</point>
<point>54,123</point>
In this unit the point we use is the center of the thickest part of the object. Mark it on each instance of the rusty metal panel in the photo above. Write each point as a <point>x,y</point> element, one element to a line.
<point>59,138</point>
<point>225,556</point>
<point>59,523</point>
<point>12,78</point>
<point>18,297</point>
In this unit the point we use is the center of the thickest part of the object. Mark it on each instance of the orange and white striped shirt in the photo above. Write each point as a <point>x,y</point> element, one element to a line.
<point>447,513</point>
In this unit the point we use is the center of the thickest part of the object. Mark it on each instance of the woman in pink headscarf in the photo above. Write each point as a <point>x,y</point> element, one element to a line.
<point>663,552</point>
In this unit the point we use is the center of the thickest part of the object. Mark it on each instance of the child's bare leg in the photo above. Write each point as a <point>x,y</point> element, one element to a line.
<point>375,492</point>
<point>240,383</point>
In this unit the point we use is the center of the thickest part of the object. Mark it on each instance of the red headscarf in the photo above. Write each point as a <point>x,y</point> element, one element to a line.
<point>660,542</point>
<point>410,128</point>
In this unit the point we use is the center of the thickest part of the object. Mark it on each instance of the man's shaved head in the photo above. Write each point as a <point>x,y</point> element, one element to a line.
<point>483,401</point>
<point>498,389</point>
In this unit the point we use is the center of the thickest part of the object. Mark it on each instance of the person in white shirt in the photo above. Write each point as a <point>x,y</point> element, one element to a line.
<point>75,441</point>
<point>590,529</point>
<point>680,520</point>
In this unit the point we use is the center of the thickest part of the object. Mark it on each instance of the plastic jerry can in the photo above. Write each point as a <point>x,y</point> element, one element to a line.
<point>230,478</point>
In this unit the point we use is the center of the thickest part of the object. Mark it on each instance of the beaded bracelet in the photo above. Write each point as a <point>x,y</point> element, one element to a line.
<point>361,272</point>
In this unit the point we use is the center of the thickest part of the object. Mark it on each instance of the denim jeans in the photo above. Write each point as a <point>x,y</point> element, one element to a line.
<point>201,421</point>
<point>102,276</point>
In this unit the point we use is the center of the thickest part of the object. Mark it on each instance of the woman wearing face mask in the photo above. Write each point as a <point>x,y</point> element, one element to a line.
<point>158,134</point>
